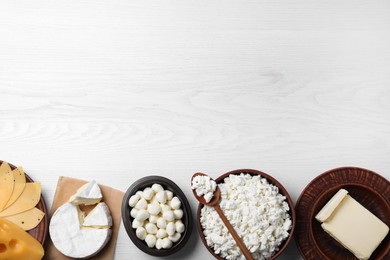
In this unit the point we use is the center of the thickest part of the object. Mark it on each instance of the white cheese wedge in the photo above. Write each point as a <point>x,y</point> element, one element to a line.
<point>88,194</point>
<point>355,227</point>
<point>70,239</point>
<point>99,217</point>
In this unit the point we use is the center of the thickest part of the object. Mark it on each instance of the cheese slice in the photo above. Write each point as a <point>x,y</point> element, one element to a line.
<point>6,184</point>
<point>16,244</point>
<point>70,239</point>
<point>355,227</point>
<point>19,184</point>
<point>88,194</point>
<point>27,200</point>
<point>28,219</point>
<point>99,217</point>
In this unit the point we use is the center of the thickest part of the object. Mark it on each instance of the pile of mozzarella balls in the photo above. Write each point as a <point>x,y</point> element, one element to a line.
<point>157,216</point>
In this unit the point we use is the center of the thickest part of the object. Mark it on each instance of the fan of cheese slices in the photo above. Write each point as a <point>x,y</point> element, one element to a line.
<point>76,235</point>
<point>18,198</point>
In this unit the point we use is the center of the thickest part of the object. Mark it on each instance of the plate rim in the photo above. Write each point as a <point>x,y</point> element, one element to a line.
<point>349,182</point>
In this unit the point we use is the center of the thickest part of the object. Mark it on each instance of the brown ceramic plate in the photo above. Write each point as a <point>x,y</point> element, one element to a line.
<point>367,187</point>
<point>282,191</point>
<point>40,231</point>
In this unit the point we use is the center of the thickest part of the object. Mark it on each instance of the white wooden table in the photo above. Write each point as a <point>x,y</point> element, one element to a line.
<point>116,90</point>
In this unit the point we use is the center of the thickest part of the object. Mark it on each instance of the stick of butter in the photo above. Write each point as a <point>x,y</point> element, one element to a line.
<point>352,225</point>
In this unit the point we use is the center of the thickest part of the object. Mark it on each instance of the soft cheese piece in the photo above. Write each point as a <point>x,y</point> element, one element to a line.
<point>28,219</point>
<point>27,200</point>
<point>100,216</point>
<point>88,194</point>
<point>70,239</point>
<point>329,207</point>
<point>16,244</point>
<point>19,184</point>
<point>356,228</point>
<point>6,184</point>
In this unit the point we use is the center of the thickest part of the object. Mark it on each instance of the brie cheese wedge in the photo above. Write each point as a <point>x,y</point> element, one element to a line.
<point>72,240</point>
<point>88,194</point>
<point>99,217</point>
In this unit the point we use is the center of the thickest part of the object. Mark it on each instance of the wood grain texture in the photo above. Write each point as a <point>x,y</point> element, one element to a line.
<point>116,90</point>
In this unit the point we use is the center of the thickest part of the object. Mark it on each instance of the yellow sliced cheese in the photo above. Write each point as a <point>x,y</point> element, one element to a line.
<point>6,184</point>
<point>27,200</point>
<point>28,219</point>
<point>19,184</point>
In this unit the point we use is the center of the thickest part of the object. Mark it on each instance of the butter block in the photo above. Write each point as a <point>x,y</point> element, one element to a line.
<point>16,244</point>
<point>353,226</point>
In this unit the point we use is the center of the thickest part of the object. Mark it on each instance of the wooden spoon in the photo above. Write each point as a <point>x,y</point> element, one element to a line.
<point>214,202</point>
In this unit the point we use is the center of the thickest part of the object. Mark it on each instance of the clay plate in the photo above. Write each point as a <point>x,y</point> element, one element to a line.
<point>40,231</point>
<point>282,191</point>
<point>367,187</point>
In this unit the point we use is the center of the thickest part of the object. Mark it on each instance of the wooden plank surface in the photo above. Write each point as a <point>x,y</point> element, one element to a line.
<point>116,90</point>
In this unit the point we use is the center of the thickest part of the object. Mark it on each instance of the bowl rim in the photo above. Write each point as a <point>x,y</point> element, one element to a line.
<point>341,168</point>
<point>282,191</point>
<point>168,184</point>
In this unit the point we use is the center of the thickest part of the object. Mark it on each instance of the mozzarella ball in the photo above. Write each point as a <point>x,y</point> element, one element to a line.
<point>133,212</point>
<point>166,243</point>
<point>136,223</point>
<point>168,215</point>
<point>180,226</point>
<point>154,209</point>
<point>169,194</point>
<point>175,203</point>
<point>157,187</point>
<point>141,204</point>
<point>161,233</point>
<point>161,223</point>
<point>161,196</point>
<point>178,213</point>
<point>133,200</point>
<point>151,228</point>
<point>175,237</point>
<point>141,233</point>
<point>148,193</point>
<point>164,208</point>
<point>171,229</point>
<point>150,240</point>
<point>159,243</point>
<point>153,219</point>
<point>142,215</point>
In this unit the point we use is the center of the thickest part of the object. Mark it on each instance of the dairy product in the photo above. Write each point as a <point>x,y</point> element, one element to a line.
<point>16,244</point>
<point>204,186</point>
<point>156,216</point>
<point>352,225</point>
<point>256,210</point>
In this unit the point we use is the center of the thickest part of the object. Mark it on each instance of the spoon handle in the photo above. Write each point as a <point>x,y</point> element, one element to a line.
<point>234,234</point>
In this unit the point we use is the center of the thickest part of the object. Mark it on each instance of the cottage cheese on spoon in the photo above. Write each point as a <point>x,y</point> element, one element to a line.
<point>204,186</point>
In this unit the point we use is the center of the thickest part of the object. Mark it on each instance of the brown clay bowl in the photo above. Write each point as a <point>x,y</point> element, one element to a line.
<point>271,180</point>
<point>40,231</point>
<point>368,188</point>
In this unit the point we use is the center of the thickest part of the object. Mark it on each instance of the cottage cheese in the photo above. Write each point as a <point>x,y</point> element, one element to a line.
<point>258,213</point>
<point>204,186</point>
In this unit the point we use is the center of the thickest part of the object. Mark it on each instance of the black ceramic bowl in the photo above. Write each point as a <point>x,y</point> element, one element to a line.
<point>185,206</point>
